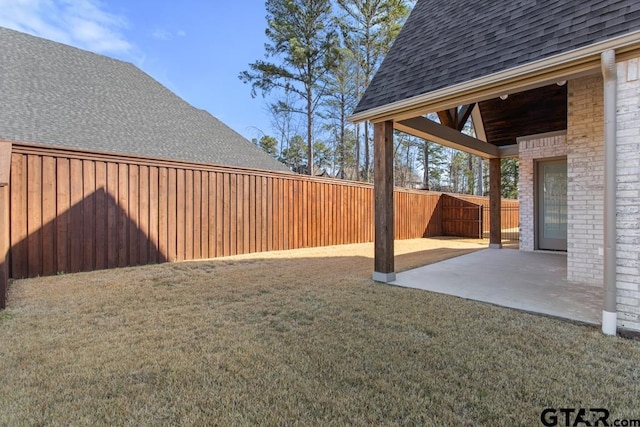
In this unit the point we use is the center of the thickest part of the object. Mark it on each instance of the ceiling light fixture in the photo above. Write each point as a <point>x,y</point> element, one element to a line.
<point>561,83</point>
<point>505,96</point>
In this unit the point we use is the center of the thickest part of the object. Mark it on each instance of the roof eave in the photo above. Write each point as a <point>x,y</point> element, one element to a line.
<point>577,62</point>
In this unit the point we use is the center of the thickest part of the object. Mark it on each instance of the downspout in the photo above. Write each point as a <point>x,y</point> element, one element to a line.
<point>609,73</point>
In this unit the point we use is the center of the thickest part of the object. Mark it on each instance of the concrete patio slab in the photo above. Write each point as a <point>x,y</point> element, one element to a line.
<point>530,281</point>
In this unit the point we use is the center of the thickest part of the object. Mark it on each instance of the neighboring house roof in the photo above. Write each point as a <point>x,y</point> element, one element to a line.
<point>444,43</point>
<point>58,95</point>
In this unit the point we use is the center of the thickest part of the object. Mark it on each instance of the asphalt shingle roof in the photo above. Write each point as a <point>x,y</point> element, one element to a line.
<point>444,43</point>
<point>58,95</point>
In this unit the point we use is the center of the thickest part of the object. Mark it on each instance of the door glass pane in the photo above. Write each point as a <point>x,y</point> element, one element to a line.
<point>554,202</point>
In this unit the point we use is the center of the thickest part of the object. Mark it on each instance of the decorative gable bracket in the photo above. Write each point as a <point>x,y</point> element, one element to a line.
<point>456,118</point>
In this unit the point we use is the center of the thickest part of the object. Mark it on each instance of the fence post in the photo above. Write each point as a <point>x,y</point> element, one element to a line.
<point>5,173</point>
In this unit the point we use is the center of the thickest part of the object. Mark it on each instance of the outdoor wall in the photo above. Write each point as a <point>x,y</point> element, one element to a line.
<point>531,149</point>
<point>584,148</point>
<point>628,195</point>
<point>585,175</point>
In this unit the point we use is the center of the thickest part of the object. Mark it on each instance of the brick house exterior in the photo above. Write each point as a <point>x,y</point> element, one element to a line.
<point>530,149</point>
<point>583,146</point>
<point>544,81</point>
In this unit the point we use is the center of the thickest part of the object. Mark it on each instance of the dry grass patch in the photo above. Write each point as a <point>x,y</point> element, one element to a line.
<point>294,337</point>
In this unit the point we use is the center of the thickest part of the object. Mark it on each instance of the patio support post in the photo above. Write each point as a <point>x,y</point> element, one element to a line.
<point>495,203</point>
<point>609,73</point>
<point>384,215</point>
<point>5,169</point>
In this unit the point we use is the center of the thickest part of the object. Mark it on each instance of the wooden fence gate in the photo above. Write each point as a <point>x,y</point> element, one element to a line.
<point>461,218</point>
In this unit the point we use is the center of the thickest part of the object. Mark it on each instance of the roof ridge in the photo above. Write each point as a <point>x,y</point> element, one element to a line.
<point>64,45</point>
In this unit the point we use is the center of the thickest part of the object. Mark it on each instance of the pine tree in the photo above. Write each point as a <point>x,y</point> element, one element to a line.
<point>432,159</point>
<point>373,25</point>
<point>268,144</point>
<point>303,46</point>
<point>339,102</point>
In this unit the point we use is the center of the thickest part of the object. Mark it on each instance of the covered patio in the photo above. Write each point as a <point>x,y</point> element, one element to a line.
<point>539,82</point>
<point>530,281</point>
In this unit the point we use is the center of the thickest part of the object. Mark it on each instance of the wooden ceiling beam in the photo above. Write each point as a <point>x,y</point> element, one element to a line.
<point>446,119</point>
<point>432,131</point>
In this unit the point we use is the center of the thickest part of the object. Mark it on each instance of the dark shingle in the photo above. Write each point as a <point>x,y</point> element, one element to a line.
<point>55,94</point>
<point>445,43</point>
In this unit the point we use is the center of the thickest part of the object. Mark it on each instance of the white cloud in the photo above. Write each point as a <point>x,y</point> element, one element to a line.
<point>82,23</point>
<point>161,34</point>
<point>164,34</point>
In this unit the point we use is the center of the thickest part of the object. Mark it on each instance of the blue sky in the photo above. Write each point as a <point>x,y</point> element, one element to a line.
<point>196,48</point>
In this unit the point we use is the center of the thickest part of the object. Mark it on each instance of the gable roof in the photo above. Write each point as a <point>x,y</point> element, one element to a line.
<point>445,43</point>
<point>59,95</point>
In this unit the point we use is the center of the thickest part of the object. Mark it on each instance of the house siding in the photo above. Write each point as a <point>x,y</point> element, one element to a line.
<point>628,195</point>
<point>585,180</point>
<point>531,149</point>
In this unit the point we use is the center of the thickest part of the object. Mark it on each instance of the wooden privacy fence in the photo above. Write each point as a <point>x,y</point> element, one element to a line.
<point>75,211</point>
<point>69,211</point>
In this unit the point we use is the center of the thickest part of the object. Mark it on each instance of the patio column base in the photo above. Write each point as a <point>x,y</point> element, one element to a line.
<point>495,245</point>
<point>384,277</point>
<point>609,323</point>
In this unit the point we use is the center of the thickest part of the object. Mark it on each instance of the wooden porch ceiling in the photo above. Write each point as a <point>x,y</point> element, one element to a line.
<point>531,112</point>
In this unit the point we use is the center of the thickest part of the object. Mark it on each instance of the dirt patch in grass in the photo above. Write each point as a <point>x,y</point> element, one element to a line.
<point>294,337</point>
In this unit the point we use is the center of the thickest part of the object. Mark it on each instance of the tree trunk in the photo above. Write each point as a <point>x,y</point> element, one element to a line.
<point>309,131</point>
<point>342,142</point>
<point>358,152</point>
<point>470,175</point>
<point>425,175</point>
<point>368,71</point>
<point>479,178</point>
<point>408,164</point>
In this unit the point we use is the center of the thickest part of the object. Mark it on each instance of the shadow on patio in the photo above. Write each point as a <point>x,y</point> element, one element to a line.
<point>530,281</point>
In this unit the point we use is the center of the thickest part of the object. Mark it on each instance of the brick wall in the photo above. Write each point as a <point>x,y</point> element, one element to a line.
<point>585,176</point>
<point>584,148</point>
<point>628,195</point>
<point>532,148</point>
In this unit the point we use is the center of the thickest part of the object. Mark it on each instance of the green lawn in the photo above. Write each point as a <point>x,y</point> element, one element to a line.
<point>298,337</point>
